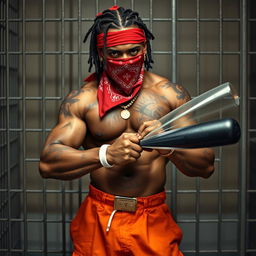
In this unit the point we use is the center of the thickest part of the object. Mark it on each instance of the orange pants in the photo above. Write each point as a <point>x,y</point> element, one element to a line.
<point>150,230</point>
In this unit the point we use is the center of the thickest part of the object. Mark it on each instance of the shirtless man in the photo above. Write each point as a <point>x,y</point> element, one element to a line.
<point>124,213</point>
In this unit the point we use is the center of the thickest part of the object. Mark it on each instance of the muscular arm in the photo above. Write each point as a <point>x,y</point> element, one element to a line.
<point>191,162</point>
<point>61,157</point>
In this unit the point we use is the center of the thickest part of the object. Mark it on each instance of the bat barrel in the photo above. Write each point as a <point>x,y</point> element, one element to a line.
<point>209,134</point>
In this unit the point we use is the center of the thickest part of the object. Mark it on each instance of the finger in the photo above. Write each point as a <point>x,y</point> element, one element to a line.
<point>133,144</point>
<point>133,138</point>
<point>137,148</point>
<point>145,125</point>
<point>134,154</point>
<point>141,128</point>
<point>147,130</point>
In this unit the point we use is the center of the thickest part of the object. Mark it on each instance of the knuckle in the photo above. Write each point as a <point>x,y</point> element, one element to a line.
<point>140,150</point>
<point>137,156</point>
<point>126,143</point>
<point>125,136</point>
<point>126,157</point>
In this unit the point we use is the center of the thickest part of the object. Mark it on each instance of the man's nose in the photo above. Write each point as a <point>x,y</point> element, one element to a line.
<point>125,55</point>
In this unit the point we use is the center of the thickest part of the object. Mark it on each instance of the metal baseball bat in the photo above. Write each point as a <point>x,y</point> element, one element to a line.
<point>208,134</point>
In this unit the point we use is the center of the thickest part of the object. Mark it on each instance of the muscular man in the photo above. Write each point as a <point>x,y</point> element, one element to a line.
<point>125,212</point>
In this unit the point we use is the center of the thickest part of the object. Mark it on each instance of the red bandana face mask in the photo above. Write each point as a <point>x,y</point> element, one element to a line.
<point>125,73</point>
<point>120,82</point>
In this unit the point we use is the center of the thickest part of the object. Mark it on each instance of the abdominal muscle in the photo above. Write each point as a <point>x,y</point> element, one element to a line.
<point>145,177</point>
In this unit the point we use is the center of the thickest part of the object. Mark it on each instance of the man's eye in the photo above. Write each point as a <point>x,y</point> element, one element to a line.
<point>134,51</point>
<point>114,54</point>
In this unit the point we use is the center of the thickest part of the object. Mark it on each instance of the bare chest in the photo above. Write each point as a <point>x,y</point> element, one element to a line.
<point>148,106</point>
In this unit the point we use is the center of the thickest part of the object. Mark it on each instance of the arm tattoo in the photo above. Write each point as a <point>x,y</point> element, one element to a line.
<point>68,125</point>
<point>92,105</point>
<point>181,92</point>
<point>56,152</point>
<point>68,101</point>
<point>56,142</point>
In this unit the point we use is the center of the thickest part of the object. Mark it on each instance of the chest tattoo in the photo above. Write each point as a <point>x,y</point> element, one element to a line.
<point>151,107</point>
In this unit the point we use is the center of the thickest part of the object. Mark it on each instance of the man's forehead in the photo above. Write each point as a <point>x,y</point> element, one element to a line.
<point>123,47</point>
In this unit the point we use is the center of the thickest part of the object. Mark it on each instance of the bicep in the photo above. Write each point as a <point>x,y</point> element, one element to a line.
<point>69,131</point>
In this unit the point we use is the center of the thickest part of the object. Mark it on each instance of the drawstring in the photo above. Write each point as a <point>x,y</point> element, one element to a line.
<point>110,220</point>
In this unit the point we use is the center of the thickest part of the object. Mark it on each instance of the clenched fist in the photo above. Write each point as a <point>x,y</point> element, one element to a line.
<point>124,150</point>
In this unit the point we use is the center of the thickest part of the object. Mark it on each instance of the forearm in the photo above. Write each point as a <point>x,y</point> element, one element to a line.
<point>63,162</point>
<point>194,162</point>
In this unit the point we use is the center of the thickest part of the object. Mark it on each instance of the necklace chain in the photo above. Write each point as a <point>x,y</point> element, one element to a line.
<point>130,103</point>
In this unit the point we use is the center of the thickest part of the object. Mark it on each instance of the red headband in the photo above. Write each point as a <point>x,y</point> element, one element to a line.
<point>126,36</point>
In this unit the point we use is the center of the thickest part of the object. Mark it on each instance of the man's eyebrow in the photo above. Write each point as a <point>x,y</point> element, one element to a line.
<point>132,48</point>
<point>135,48</point>
<point>113,50</point>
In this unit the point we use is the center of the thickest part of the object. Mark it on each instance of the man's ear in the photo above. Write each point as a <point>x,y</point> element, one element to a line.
<point>145,48</point>
<point>101,55</point>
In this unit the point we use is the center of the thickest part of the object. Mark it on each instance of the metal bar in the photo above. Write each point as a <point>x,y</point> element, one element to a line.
<point>2,196</point>
<point>25,240</point>
<point>174,80</point>
<point>62,48</point>
<point>219,228</point>
<point>80,76</point>
<point>43,104</point>
<point>132,4</point>
<point>243,123</point>
<point>8,127</point>
<point>31,98</point>
<point>144,19</point>
<point>210,251</point>
<point>62,94</point>
<point>151,16</point>
<point>180,221</point>
<point>209,221</point>
<point>197,235</point>
<point>86,191</point>
<point>21,130</point>
<point>155,52</point>
<point>97,7</point>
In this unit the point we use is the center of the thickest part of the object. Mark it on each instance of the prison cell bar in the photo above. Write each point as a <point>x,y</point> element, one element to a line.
<point>243,119</point>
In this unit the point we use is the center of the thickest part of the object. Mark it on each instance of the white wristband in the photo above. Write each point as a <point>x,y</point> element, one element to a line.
<point>103,156</point>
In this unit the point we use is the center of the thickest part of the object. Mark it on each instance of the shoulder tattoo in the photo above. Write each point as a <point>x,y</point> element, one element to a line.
<point>68,101</point>
<point>181,92</point>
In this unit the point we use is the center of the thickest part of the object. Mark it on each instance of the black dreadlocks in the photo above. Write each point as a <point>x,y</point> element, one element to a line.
<point>119,18</point>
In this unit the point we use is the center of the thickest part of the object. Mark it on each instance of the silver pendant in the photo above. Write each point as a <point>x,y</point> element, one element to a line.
<point>125,114</point>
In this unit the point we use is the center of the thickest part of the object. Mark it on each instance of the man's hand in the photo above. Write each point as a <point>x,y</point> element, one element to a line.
<point>124,150</point>
<point>149,126</point>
